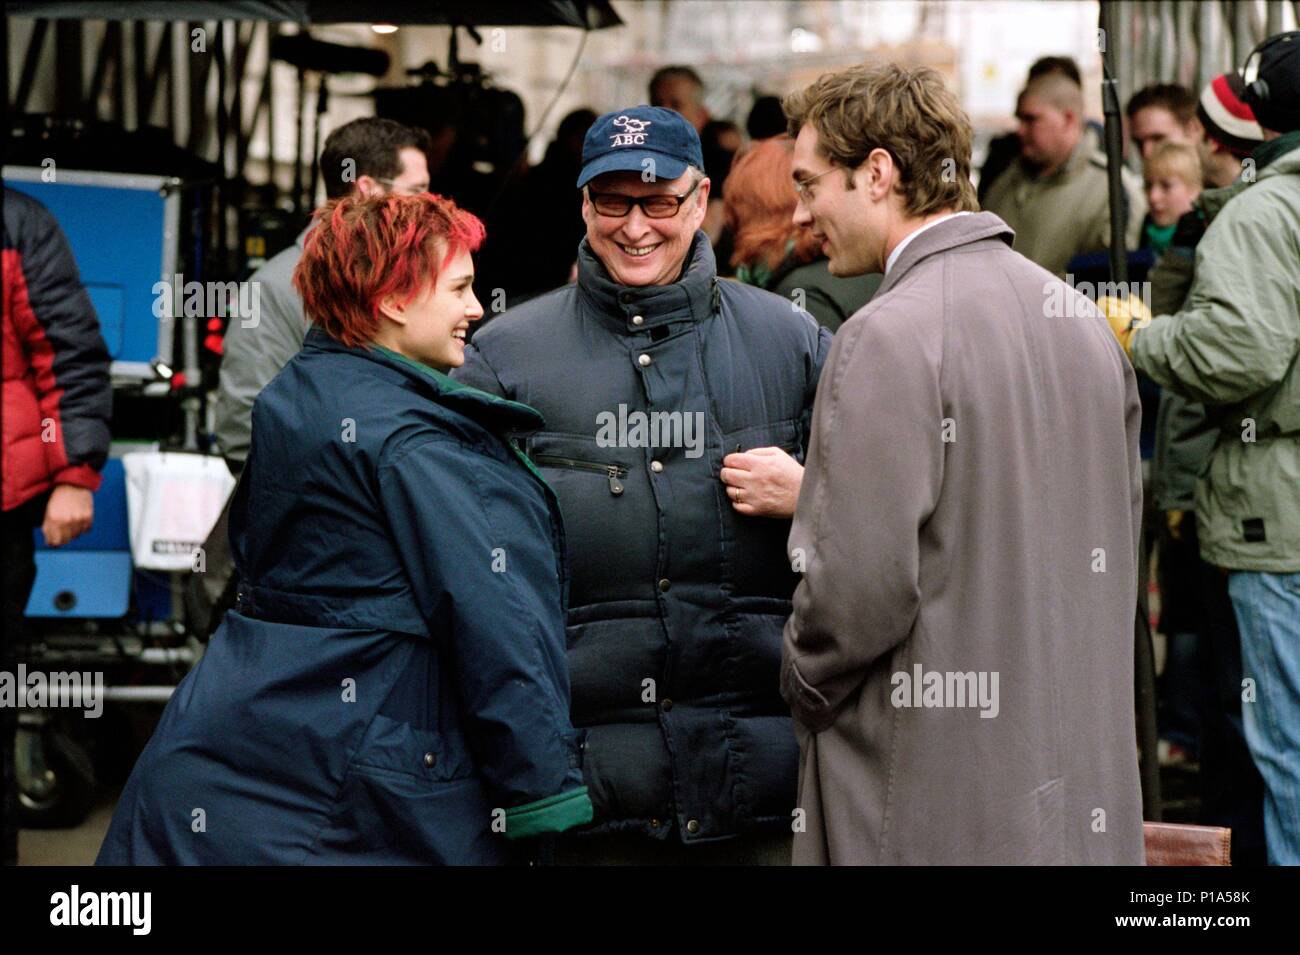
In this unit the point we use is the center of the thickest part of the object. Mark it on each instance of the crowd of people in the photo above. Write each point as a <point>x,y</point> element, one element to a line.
<point>875,607</point>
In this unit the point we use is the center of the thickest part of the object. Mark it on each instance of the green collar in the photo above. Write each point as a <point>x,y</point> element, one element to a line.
<point>444,381</point>
<point>758,273</point>
<point>1160,236</point>
<point>450,386</point>
<point>1267,152</point>
<point>1212,201</point>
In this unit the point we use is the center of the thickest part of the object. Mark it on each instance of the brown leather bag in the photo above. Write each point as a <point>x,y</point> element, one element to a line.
<point>1173,844</point>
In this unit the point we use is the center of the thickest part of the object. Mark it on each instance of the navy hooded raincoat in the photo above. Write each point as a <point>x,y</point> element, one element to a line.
<point>391,687</point>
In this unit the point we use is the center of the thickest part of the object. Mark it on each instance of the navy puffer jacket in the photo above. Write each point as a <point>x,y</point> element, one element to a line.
<point>677,602</point>
<point>391,687</point>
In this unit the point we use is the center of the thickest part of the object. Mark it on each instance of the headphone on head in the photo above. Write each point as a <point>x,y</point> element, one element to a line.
<point>1257,86</point>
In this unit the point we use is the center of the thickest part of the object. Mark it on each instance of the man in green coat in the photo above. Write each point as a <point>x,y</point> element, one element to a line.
<point>1234,347</point>
<point>1200,690</point>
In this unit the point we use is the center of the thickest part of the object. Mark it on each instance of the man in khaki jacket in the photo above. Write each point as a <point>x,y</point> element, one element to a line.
<point>1055,195</point>
<point>959,660</point>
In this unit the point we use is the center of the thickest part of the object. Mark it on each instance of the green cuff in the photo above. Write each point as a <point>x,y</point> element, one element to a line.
<point>552,814</point>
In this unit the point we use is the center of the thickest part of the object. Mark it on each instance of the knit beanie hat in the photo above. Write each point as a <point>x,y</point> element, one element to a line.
<point>1226,117</point>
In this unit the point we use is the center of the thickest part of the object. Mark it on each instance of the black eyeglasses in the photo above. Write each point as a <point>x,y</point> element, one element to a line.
<point>616,205</point>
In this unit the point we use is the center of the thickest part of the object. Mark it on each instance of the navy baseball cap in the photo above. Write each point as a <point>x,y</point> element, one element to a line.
<point>623,140</point>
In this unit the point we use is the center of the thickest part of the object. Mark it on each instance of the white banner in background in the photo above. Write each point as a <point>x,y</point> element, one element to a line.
<point>172,500</point>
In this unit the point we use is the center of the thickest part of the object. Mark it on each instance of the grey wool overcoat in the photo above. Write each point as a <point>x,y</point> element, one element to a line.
<point>960,656</point>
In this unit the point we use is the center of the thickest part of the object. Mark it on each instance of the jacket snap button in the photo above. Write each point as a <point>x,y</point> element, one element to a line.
<point>430,759</point>
<point>656,466</point>
<point>664,585</point>
<point>692,825</point>
<point>644,360</point>
<point>667,705</point>
<point>654,823</point>
<point>638,319</point>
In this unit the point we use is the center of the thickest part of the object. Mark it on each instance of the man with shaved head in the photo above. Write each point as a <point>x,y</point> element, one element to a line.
<point>1055,195</point>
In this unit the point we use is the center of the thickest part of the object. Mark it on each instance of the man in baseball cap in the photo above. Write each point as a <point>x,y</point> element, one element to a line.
<point>640,138</point>
<point>651,155</point>
<point>677,410</point>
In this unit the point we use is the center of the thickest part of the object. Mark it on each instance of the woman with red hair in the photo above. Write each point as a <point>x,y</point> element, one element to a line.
<point>771,251</point>
<point>391,685</point>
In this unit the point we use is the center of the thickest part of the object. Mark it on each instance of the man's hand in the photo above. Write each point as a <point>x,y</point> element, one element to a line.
<point>1126,316</point>
<point>68,514</point>
<point>763,482</point>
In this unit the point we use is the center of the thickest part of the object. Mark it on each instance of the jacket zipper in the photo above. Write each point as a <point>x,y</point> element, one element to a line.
<point>611,471</point>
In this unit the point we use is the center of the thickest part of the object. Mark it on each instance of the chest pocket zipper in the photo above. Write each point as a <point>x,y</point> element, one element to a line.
<point>612,471</point>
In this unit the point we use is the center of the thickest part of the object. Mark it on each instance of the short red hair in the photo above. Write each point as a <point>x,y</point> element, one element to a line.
<point>361,251</point>
<point>759,205</point>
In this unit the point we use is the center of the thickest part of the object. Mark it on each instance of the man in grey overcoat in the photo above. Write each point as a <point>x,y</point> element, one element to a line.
<point>959,659</point>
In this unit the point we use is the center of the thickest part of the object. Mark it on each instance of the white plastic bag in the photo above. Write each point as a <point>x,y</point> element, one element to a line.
<point>172,500</point>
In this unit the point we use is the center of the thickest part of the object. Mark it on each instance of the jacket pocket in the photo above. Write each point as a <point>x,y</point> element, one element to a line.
<point>391,818</point>
<point>613,473</point>
<point>390,746</point>
<point>755,547</point>
<point>785,435</point>
<point>753,668</point>
<point>606,501</point>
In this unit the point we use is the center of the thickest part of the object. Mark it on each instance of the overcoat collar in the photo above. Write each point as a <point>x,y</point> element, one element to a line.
<point>949,234</point>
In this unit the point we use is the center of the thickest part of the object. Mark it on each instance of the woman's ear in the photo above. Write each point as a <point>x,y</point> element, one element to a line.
<point>391,308</point>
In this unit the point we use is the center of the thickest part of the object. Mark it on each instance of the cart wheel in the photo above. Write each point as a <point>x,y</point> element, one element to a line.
<point>54,776</point>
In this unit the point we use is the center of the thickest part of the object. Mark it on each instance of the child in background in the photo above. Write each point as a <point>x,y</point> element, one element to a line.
<point>1172,180</point>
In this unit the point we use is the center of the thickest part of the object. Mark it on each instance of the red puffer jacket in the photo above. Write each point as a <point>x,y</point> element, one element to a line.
<point>57,394</point>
